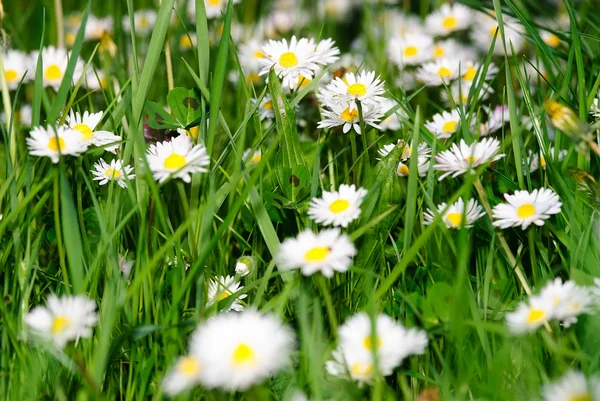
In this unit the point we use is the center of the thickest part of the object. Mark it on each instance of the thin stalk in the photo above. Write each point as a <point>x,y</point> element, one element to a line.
<point>58,232</point>
<point>169,64</point>
<point>354,157</point>
<point>8,113</point>
<point>328,303</point>
<point>60,28</point>
<point>363,137</point>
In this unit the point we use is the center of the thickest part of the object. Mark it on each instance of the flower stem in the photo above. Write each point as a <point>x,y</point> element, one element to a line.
<point>60,29</point>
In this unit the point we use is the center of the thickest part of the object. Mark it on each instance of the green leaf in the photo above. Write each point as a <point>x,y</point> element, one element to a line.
<point>159,118</point>
<point>185,105</point>
<point>439,296</point>
<point>71,234</point>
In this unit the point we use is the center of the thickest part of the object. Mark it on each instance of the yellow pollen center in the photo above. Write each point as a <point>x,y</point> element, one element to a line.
<point>193,132</point>
<point>526,210</point>
<point>53,72</point>
<point>259,54</point>
<point>70,38</point>
<point>288,60</point>
<point>85,130</point>
<point>253,77</point>
<point>581,397</point>
<point>243,354</point>
<point>303,81</point>
<point>535,315</point>
<point>214,2</point>
<point>189,366</point>
<point>256,158</point>
<point>225,294</point>
<point>455,219</point>
<point>469,75</point>
<point>450,126</point>
<point>112,173</point>
<point>543,162</point>
<point>450,22</point>
<point>470,159</point>
<point>406,152</point>
<point>339,205</point>
<point>357,90</point>
<point>59,324</point>
<point>185,42</point>
<point>438,52</point>
<point>10,75</point>
<point>174,161</point>
<point>403,170</point>
<point>317,254</point>
<point>556,300</point>
<point>368,342</point>
<point>361,369</point>
<point>410,51</point>
<point>493,31</point>
<point>55,144</point>
<point>268,105</point>
<point>143,23</point>
<point>444,72</point>
<point>553,40</point>
<point>349,115</point>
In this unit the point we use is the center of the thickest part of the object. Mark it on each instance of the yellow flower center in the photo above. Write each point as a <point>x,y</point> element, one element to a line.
<point>407,152</point>
<point>253,77</point>
<point>470,159</point>
<point>243,354</point>
<point>53,72</point>
<point>268,105</point>
<point>10,75</point>
<point>543,162</point>
<point>455,218</point>
<point>70,38</point>
<point>288,60</point>
<point>368,342</point>
<point>302,80</point>
<point>193,132</point>
<point>450,126</point>
<point>225,294</point>
<point>361,369</point>
<point>444,72</point>
<point>317,254</point>
<point>85,130</point>
<point>185,42</point>
<point>493,31</point>
<point>112,173</point>
<point>438,52</point>
<point>55,144</point>
<point>259,54</point>
<point>349,115</point>
<point>581,397</point>
<point>189,366</point>
<point>469,75</point>
<point>526,210</point>
<point>174,161</point>
<point>143,22</point>
<point>403,170</point>
<point>552,40</point>
<point>256,158</point>
<point>536,315</point>
<point>214,2</point>
<point>339,205</point>
<point>357,90</point>
<point>410,51</point>
<point>59,324</point>
<point>450,22</point>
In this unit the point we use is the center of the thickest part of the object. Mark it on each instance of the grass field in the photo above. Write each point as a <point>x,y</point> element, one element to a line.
<point>406,211</point>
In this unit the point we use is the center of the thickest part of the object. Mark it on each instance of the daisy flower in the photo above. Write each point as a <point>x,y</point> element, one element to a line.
<point>529,316</point>
<point>115,171</point>
<point>572,386</point>
<point>187,41</point>
<point>221,288</point>
<point>438,72</point>
<point>524,208</point>
<point>252,157</point>
<point>185,374</point>
<point>497,117</point>
<point>16,66</point>
<point>47,142</point>
<point>449,18</point>
<point>55,62</point>
<point>241,349</point>
<point>462,158</point>
<point>410,49</point>
<point>250,54</point>
<point>63,319</point>
<point>452,48</point>
<point>469,70</point>
<point>423,164</point>
<point>244,265</point>
<point>343,114</point>
<point>550,38</point>
<point>484,31</point>
<point>177,158</point>
<point>326,53</point>
<point>535,159</point>
<point>456,215</point>
<point>327,251</point>
<point>95,80</point>
<point>337,208</point>
<point>352,364</point>
<point>444,124</point>
<point>299,58</point>
<point>363,87</point>
<point>569,300</point>
<point>392,341</point>
<point>95,27</point>
<point>265,108</point>
<point>144,21</point>
<point>86,125</point>
<point>423,150</point>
